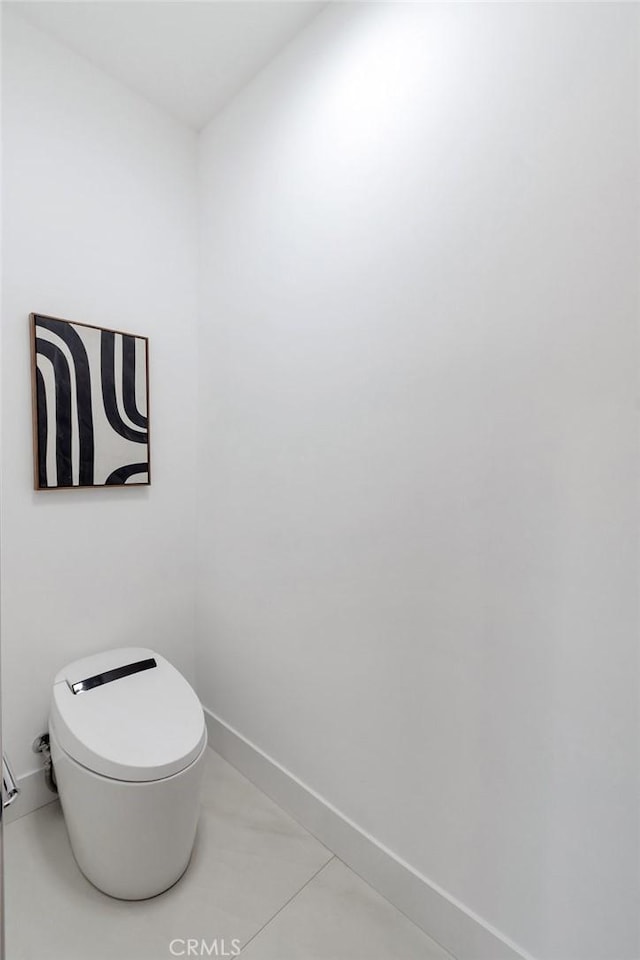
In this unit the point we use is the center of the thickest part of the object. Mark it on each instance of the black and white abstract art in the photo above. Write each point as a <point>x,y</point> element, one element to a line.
<point>91,402</point>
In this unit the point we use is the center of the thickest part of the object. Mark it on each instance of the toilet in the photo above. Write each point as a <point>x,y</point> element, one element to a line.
<point>128,741</point>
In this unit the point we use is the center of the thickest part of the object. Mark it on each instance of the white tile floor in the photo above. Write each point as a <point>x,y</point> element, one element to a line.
<point>256,876</point>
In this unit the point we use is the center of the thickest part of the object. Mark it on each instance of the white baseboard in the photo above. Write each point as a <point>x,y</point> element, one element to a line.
<point>458,929</point>
<point>34,793</point>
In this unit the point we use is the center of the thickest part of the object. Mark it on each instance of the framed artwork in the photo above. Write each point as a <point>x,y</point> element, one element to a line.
<point>90,405</point>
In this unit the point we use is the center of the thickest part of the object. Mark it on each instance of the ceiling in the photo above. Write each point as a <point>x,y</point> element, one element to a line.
<point>187,56</point>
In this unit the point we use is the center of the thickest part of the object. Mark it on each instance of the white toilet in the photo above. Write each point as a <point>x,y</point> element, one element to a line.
<point>128,742</point>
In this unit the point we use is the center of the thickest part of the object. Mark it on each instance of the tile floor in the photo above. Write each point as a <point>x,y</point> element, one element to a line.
<point>256,877</point>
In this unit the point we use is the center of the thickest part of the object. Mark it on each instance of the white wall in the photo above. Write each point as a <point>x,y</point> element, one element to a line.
<point>418,458</point>
<point>418,574</point>
<point>99,218</point>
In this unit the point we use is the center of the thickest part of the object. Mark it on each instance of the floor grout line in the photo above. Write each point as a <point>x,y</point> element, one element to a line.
<point>448,953</point>
<point>286,904</point>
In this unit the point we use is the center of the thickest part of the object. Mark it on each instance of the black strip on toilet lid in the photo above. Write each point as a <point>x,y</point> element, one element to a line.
<point>109,675</point>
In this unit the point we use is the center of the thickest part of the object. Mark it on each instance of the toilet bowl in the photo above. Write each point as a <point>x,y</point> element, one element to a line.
<point>128,742</point>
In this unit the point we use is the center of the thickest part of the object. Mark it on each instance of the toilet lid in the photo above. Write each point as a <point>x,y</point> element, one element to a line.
<point>127,714</point>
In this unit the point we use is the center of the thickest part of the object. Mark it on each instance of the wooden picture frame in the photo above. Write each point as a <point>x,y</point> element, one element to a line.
<point>90,396</point>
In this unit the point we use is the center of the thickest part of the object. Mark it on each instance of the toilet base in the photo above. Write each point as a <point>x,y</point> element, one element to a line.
<point>131,840</point>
